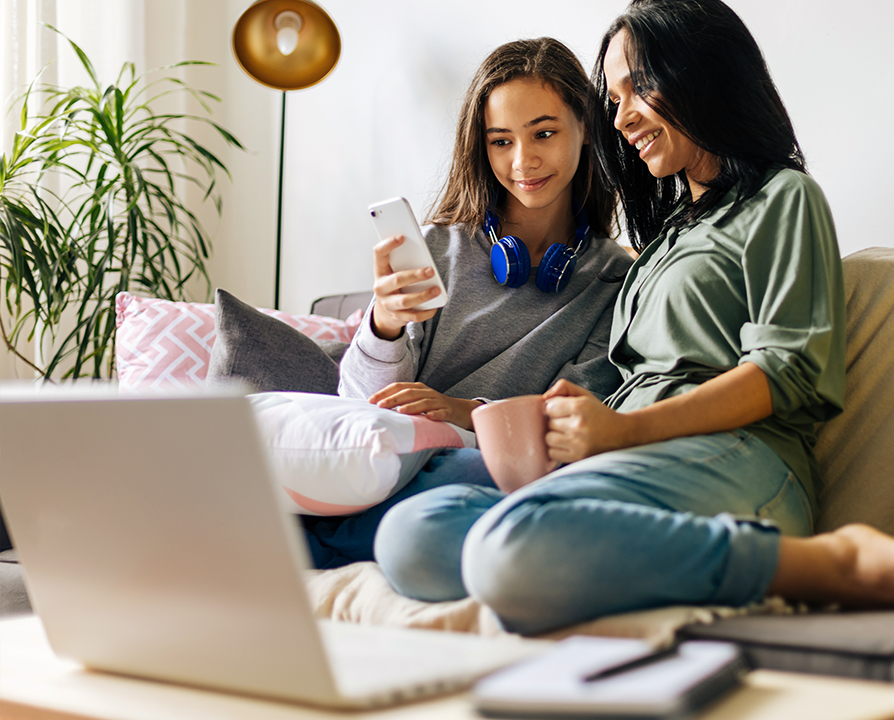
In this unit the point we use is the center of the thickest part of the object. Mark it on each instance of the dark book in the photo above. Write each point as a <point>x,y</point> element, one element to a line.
<point>857,644</point>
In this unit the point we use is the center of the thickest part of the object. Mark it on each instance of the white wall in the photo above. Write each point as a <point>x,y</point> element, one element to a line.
<point>382,123</point>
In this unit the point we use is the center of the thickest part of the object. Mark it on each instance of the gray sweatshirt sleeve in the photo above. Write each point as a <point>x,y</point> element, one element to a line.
<point>371,363</point>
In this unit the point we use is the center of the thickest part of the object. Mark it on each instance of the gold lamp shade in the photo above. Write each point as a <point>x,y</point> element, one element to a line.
<point>258,53</point>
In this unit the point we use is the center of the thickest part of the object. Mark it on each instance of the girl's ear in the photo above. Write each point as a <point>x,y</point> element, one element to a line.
<point>586,130</point>
<point>586,141</point>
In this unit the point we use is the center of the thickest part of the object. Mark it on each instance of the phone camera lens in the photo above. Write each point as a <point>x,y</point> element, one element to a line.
<point>373,213</point>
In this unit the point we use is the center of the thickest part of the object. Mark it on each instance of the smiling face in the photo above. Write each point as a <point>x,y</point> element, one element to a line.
<point>664,149</point>
<point>534,143</point>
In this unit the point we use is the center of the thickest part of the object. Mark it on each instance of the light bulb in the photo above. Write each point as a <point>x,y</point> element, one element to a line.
<point>287,24</point>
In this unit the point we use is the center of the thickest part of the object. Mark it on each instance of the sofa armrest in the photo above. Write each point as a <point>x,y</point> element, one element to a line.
<point>854,450</point>
<point>341,306</point>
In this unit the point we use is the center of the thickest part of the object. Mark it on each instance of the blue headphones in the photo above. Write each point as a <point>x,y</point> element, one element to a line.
<point>511,261</point>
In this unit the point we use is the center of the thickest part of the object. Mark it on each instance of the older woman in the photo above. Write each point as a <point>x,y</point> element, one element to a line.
<point>695,482</point>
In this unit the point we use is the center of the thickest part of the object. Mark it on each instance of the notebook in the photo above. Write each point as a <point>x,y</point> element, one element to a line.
<point>154,545</point>
<point>613,679</point>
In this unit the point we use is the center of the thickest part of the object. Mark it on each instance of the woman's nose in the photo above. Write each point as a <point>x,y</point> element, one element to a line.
<point>525,157</point>
<point>625,114</point>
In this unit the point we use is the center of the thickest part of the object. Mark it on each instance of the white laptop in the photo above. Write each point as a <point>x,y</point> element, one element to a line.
<point>154,546</point>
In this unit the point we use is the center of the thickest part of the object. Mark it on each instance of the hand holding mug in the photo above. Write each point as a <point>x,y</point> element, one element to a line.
<point>580,425</point>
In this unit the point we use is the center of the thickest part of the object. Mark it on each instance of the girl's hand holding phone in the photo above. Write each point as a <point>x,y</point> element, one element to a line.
<point>580,425</point>
<point>395,308</point>
<point>419,399</point>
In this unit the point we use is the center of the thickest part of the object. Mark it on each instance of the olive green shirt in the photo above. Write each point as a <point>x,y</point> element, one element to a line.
<point>763,286</point>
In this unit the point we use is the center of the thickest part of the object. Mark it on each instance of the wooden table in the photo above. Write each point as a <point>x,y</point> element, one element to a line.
<point>36,685</point>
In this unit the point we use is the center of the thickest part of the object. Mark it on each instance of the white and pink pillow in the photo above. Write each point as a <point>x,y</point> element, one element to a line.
<point>164,346</point>
<point>337,456</point>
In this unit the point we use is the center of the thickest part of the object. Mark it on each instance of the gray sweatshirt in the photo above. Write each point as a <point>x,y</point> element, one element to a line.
<point>495,342</point>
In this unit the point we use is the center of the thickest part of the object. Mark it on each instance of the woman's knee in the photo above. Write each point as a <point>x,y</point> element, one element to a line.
<point>419,542</point>
<point>491,570</point>
<point>507,564</point>
<point>545,562</point>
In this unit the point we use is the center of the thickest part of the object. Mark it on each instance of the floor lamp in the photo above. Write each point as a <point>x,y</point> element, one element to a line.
<point>286,45</point>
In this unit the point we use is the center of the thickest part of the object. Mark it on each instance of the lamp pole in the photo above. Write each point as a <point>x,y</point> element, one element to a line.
<point>282,156</point>
<point>285,45</point>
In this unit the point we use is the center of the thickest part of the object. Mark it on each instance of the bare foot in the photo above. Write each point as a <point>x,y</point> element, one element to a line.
<point>872,563</point>
<point>853,565</point>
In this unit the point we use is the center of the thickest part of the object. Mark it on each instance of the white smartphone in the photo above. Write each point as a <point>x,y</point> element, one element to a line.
<point>395,217</point>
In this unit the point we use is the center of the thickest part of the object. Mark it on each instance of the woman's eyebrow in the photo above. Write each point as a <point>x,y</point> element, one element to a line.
<point>622,82</point>
<point>542,119</point>
<point>532,123</point>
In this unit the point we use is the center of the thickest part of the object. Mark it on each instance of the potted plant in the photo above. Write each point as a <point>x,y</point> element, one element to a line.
<point>91,205</point>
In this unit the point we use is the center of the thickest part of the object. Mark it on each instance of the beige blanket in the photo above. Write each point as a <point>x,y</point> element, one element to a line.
<point>359,593</point>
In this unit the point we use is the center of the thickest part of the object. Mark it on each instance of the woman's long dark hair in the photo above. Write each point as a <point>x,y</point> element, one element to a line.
<point>471,185</point>
<point>696,64</point>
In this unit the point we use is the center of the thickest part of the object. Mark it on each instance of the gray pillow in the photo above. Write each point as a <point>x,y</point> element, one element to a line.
<point>265,354</point>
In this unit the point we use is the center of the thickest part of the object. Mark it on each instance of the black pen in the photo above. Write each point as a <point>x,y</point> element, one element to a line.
<point>632,664</point>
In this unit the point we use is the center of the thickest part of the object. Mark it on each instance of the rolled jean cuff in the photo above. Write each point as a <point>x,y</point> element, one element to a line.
<point>753,559</point>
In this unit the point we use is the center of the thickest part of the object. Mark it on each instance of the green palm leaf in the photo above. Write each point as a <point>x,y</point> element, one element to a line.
<point>120,222</point>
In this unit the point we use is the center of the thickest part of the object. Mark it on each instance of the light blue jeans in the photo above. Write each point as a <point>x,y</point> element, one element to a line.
<point>334,541</point>
<point>688,521</point>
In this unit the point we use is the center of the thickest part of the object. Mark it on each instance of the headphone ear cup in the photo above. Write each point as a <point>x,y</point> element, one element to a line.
<point>510,262</point>
<point>556,268</point>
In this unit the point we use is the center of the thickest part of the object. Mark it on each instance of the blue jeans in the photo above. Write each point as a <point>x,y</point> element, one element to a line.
<point>339,540</point>
<point>688,521</point>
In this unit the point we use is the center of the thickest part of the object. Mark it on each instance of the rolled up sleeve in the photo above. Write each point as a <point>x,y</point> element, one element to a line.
<point>795,295</point>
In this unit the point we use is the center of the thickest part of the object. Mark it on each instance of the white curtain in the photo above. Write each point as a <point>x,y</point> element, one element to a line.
<point>26,48</point>
<point>151,34</point>
<point>109,31</point>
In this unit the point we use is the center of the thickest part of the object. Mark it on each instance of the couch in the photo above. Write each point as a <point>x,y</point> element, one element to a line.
<point>855,452</point>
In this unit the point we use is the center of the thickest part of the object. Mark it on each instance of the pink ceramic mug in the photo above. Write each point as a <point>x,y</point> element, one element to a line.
<point>512,438</point>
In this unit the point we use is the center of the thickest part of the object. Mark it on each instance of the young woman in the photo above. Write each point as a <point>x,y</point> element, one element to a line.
<point>521,167</point>
<point>695,482</point>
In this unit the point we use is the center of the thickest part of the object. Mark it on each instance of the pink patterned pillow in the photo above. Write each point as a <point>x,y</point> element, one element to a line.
<point>163,345</point>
